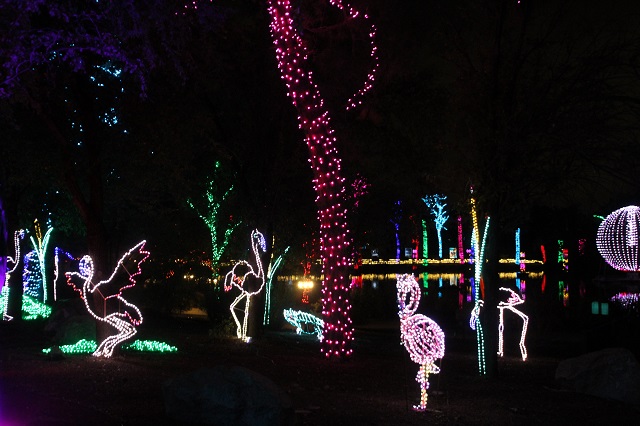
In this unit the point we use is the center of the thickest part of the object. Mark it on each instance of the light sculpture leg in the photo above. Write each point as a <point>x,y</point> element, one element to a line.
<point>245,320</point>
<point>108,345</point>
<point>525,323</point>
<point>232,308</point>
<point>4,299</point>
<point>523,333</point>
<point>423,380</point>
<point>501,332</point>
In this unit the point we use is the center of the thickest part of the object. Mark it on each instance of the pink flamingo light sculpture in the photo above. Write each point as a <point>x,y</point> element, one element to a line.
<point>126,321</point>
<point>421,336</point>
<point>235,277</point>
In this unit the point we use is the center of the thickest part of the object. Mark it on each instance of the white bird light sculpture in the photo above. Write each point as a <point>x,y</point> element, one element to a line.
<point>4,296</point>
<point>514,299</point>
<point>128,316</point>
<point>238,275</point>
<point>421,336</point>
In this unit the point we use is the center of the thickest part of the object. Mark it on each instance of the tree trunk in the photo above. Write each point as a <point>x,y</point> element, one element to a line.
<point>313,120</point>
<point>90,206</point>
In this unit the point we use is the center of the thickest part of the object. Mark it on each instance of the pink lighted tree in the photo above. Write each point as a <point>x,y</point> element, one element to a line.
<point>329,183</point>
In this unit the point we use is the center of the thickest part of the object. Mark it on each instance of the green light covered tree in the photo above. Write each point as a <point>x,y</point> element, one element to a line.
<point>209,211</point>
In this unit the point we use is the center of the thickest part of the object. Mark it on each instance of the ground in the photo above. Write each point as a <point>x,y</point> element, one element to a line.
<point>375,387</point>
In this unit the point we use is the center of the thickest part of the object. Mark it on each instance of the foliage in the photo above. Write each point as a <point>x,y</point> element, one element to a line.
<point>209,210</point>
<point>176,284</point>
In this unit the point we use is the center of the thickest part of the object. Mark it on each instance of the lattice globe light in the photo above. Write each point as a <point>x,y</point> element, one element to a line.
<point>617,239</point>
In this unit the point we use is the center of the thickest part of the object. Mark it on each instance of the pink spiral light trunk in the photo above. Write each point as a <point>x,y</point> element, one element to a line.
<point>329,184</point>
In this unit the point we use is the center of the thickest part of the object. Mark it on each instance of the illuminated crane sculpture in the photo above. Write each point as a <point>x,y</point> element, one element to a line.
<point>127,316</point>
<point>239,275</point>
<point>4,295</point>
<point>421,336</point>
<point>514,299</point>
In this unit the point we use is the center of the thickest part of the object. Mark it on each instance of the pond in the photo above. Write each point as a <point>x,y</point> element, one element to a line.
<point>567,308</point>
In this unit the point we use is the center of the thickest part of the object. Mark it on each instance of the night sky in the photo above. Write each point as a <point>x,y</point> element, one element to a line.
<point>533,103</point>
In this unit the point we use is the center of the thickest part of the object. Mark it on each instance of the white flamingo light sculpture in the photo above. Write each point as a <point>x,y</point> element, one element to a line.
<point>125,322</point>
<point>235,278</point>
<point>514,299</point>
<point>421,336</point>
<point>17,236</point>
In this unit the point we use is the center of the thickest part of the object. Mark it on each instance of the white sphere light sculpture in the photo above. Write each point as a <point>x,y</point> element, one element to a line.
<point>617,239</point>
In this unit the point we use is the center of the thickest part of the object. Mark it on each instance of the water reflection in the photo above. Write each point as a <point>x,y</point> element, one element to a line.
<point>557,304</point>
<point>458,287</point>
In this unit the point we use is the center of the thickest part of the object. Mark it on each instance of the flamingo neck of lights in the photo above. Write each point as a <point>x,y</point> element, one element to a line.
<point>124,322</point>
<point>421,336</point>
<point>235,278</point>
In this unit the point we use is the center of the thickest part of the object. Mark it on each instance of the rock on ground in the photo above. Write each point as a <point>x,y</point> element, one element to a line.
<point>223,395</point>
<point>612,373</point>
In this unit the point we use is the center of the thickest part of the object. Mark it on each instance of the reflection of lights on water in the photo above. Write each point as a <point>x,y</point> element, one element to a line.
<point>628,301</point>
<point>305,284</point>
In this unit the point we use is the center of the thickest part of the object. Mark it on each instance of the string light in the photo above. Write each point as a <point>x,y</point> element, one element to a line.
<point>4,294</point>
<point>307,285</point>
<point>84,346</point>
<point>617,239</point>
<point>517,256</point>
<point>210,216</point>
<point>628,301</point>
<point>32,276</point>
<point>124,322</point>
<point>421,336</point>
<point>40,249</point>
<point>234,279</point>
<point>513,300</point>
<point>304,321</point>
<point>4,302</point>
<point>33,309</point>
<point>313,119</point>
<point>271,272</point>
<point>425,243</point>
<point>436,204</point>
<point>478,250</point>
<point>56,268</point>
<point>395,220</point>
<point>460,245</point>
<point>149,346</point>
